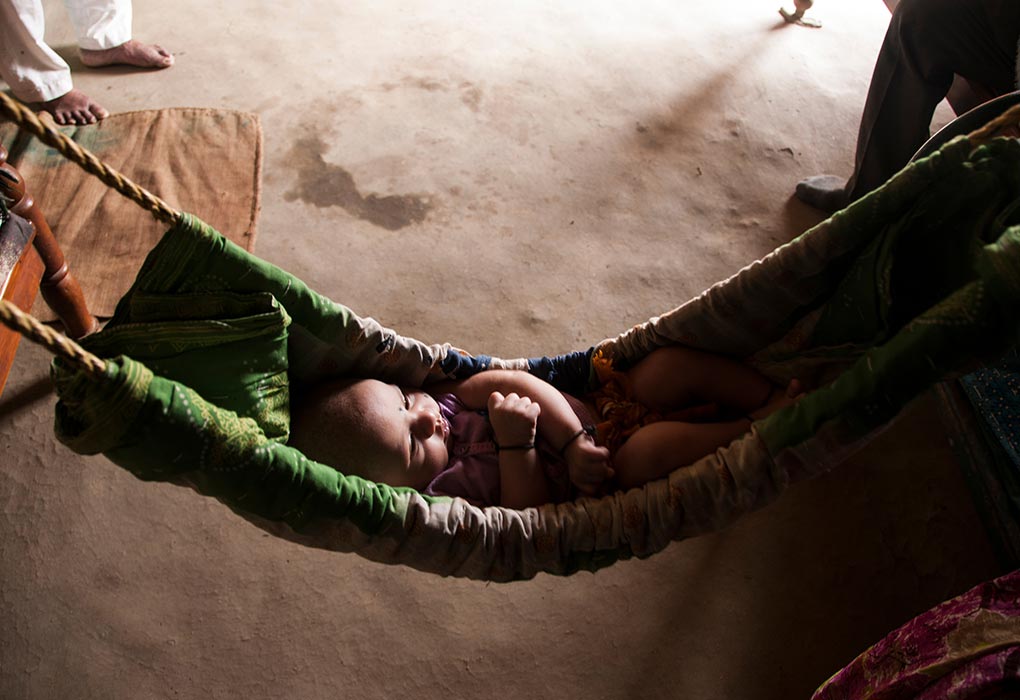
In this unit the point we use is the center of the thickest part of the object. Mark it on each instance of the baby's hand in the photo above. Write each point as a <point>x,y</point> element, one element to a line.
<point>514,419</point>
<point>588,464</point>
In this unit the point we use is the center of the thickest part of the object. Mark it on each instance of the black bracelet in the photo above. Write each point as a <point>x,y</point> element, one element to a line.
<point>568,443</point>
<point>507,448</point>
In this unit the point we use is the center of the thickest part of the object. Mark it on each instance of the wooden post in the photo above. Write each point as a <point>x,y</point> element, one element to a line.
<point>59,287</point>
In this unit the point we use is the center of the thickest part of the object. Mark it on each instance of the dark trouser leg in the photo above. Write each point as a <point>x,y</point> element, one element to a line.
<point>926,43</point>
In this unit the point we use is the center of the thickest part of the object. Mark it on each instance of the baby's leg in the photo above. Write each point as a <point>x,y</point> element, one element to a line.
<point>659,448</point>
<point>676,377</point>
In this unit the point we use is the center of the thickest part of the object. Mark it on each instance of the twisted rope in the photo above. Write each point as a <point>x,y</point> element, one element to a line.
<point>27,119</point>
<point>1011,117</point>
<point>57,343</point>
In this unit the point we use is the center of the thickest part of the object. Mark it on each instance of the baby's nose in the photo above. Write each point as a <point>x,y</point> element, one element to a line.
<point>426,423</point>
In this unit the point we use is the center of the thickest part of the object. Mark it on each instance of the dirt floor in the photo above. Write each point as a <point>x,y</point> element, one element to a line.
<point>516,179</point>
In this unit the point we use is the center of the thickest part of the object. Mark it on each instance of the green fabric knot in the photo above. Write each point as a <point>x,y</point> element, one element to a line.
<point>97,413</point>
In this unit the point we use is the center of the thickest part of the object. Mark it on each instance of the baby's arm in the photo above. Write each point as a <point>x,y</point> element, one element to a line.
<point>557,422</point>
<point>514,421</point>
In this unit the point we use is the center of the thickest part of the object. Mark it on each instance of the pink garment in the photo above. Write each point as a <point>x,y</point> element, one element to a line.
<point>963,649</point>
<point>473,471</point>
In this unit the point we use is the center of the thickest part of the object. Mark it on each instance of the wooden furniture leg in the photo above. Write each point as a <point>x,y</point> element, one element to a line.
<point>59,287</point>
<point>19,286</point>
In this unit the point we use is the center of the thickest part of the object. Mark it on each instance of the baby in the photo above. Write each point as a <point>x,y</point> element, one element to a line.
<point>506,437</point>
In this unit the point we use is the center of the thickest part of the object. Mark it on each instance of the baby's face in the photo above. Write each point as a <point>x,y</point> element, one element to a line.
<point>409,430</point>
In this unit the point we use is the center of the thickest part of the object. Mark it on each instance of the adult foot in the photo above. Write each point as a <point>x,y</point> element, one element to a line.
<point>130,53</point>
<point>74,107</point>
<point>825,192</point>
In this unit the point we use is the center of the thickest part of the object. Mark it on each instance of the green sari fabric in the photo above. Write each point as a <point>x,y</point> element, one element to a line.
<point>932,296</point>
<point>163,430</point>
<point>210,408</point>
<point>230,348</point>
<point>913,283</point>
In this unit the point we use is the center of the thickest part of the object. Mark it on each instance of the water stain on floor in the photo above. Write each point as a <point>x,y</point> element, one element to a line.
<point>326,184</point>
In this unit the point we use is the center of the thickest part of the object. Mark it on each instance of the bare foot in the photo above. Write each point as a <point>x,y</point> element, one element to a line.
<point>780,399</point>
<point>130,53</point>
<point>74,107</point>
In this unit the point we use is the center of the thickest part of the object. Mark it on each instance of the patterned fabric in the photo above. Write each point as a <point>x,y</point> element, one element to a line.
<point>200,339</point>
<point>995,393</point>
<point>967,647</point>
<point>929,315</point>
<point>620,416</point>
<point>917,280</point>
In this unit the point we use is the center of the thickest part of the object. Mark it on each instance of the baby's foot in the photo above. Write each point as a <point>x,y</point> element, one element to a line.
<point>130,53</point>
<point>74,107</point>
<point>780,399</point>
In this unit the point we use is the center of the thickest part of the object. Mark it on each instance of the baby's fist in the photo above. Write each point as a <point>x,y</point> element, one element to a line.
<point>514,418</point>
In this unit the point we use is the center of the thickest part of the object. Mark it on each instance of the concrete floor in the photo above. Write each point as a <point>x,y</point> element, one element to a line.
<point>556,172</point>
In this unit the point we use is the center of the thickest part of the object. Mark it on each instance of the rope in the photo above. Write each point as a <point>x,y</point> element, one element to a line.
<point>1011,117</point>
<point>57,343</point>
<point>27,119</point>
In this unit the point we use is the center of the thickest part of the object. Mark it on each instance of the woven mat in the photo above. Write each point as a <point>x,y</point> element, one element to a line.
<point>204,161</point>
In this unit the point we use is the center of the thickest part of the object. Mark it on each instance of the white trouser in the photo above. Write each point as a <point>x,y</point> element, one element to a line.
<point>32,69</point>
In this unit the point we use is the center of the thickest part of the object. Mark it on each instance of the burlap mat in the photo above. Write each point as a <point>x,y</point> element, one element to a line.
<point>204,161</point>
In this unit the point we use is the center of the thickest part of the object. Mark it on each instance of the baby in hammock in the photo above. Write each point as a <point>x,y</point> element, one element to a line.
<point>506,437</point>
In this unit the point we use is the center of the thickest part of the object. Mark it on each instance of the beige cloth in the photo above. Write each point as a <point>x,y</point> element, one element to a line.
<point>204,161</point>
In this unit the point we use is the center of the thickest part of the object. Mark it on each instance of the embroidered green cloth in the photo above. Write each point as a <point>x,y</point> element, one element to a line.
<point>221,423</point>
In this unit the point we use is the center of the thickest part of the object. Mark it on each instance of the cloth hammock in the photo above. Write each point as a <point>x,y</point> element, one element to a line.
<point>917,281</point>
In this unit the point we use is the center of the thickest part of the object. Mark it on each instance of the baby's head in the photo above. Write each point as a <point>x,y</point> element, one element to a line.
<point>368,428</point>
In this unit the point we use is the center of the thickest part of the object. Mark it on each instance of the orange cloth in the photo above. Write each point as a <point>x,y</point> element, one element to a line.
<point>620,415</point>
